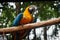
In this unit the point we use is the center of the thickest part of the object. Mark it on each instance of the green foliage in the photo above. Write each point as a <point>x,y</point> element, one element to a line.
<point>8,15</point>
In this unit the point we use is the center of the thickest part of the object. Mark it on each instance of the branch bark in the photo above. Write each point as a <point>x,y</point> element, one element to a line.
<point>30,26</point>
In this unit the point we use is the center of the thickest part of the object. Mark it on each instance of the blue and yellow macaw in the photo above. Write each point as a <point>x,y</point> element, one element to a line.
<point>25,18</point>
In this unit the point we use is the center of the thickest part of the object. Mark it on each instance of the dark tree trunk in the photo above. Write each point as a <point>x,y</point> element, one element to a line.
<point>17,7</point>
<point>45,33</point>
<point>34,35</point>
<point>28,37</point>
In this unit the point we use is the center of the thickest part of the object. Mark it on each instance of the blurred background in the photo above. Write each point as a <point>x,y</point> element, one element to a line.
<point>47,10</point>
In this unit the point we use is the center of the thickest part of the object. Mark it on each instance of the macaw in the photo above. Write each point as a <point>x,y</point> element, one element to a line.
<point>25,18</point>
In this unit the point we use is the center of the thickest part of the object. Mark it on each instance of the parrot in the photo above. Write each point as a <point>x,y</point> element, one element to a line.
<point>28,16</point>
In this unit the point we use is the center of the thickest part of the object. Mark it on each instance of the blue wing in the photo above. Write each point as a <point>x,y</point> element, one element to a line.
<point>17,19</point>
<point>16,23</point>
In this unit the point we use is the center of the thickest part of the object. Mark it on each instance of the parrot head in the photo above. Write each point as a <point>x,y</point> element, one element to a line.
<point>33,9</point>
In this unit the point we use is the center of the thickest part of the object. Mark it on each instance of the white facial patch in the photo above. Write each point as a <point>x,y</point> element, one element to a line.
<point>30,8</point>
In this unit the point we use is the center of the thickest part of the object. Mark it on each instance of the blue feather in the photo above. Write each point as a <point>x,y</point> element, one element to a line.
<point>16,23</point>
<point>17,19</point>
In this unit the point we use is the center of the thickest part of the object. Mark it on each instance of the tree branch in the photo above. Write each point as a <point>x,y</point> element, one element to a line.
<point>30,26</point>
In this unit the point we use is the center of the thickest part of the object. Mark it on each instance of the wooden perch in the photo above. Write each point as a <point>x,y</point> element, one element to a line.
<point>30,26</point>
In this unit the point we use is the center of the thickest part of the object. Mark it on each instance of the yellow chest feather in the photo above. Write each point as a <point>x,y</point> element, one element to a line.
<point>27,17</point>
